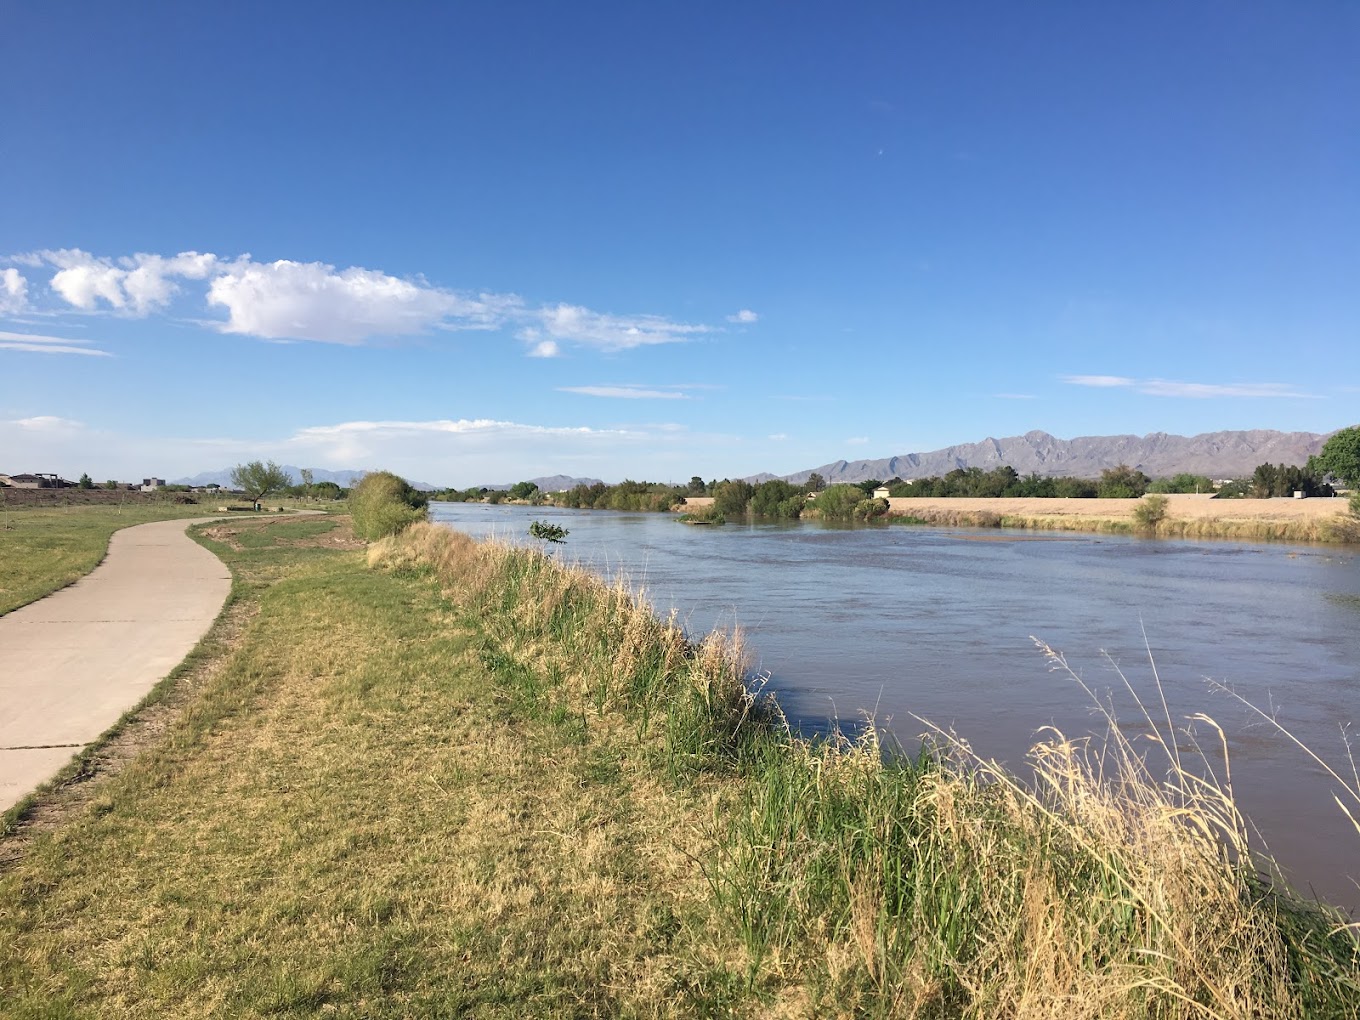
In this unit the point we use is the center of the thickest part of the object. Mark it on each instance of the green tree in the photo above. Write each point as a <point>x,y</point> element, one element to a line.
<point>775,498</point>
<point>1340,458</point>
<point>522,490</point>
<point>1122,482</point>
<point>731,497</point>
<point>258,480</point>
<point>110,484</point>
<point>86,482</point>
<point>815,482</point>
<point>307,477</point>
<point>696,487</point>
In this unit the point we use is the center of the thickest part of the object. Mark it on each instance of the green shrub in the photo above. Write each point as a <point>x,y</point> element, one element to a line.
<point>383,504</point>
<point>1150,512</point>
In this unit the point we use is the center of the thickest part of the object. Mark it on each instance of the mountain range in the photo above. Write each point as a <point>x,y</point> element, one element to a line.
<point>343,478</point>
<point>1158,454</point>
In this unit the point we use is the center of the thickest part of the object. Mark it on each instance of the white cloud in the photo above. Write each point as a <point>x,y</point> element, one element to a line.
<point>779,437</point>
<point>744,317</point>
<point>286,300</point>
<point>628,391</point>
<point>857,441</point>
<point>581,326</point>
<point>1169,388</point>
<point>1102,381</point>
<point>138,284</point>
<point>47,423</point>
<point>1197,391</point>
<point>314,301</point>
<point>47,344</point>
<point>13,291</point>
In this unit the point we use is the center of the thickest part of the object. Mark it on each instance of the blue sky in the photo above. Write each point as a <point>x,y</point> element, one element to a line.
<point>478,243</point>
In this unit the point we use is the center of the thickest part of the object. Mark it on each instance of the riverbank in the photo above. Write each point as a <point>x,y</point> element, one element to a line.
<point>461,779</point>
<point>1187,516</point>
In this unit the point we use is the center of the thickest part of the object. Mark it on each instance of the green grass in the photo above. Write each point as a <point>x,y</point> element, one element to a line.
<point>44,549</point>
<point>371,811</point>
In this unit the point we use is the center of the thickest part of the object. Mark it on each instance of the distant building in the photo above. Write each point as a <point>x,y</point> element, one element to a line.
<point>38,481</point>
<point>152,484</point>
<point>881,492</point>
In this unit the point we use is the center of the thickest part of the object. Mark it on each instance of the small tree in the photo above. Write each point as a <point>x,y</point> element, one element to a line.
<point>257,480</point>
<point>86,482</point>
<point>307,477</point>
<point>1150,512</point>
<point>815,482</point>
<point>548,532</point>
<point>523,490</point>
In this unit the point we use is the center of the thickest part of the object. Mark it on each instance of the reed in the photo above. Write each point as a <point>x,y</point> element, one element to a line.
<point>865,881</point>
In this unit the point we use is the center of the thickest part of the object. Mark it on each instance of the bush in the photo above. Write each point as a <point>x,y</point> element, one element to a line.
<point>1150,512</point>
<point>383,504</point>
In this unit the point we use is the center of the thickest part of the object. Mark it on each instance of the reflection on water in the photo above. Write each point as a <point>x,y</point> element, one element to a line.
<point>936,624</point>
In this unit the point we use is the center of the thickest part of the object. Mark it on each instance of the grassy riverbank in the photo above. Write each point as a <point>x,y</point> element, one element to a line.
<point>459,779</point>
<point>1277,520</point>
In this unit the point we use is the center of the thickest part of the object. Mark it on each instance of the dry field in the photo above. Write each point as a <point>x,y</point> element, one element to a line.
<point>1302,520</point>
<point>1180,507</point>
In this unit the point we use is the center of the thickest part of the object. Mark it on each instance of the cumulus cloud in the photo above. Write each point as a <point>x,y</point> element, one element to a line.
<point>1198,391</point>
<point>628,391</point>
<point>13,291</point>
<point>47,344</point>
<point>287,300</point>
<point>314,301</point>
<point>138,284</point>
<point>744,317</point>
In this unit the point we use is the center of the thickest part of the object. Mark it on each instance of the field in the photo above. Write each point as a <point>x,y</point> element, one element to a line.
<point>1187,516</point>
<point>43,549</point>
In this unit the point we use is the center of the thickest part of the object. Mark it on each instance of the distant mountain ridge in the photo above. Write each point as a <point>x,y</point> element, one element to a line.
<point>1158,454</point>
<point>343,478</point>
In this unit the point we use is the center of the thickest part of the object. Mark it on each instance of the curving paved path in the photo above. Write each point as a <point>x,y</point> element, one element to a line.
<point>72,663</point>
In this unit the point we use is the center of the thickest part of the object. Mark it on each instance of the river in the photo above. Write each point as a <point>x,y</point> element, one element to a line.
<point>936,623</point>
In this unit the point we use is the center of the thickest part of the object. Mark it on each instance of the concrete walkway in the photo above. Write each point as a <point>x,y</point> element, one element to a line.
<point>72,663</point>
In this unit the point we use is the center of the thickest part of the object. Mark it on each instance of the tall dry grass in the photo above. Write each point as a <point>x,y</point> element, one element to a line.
<point>1339,529</point>
<point>1105,883</point>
